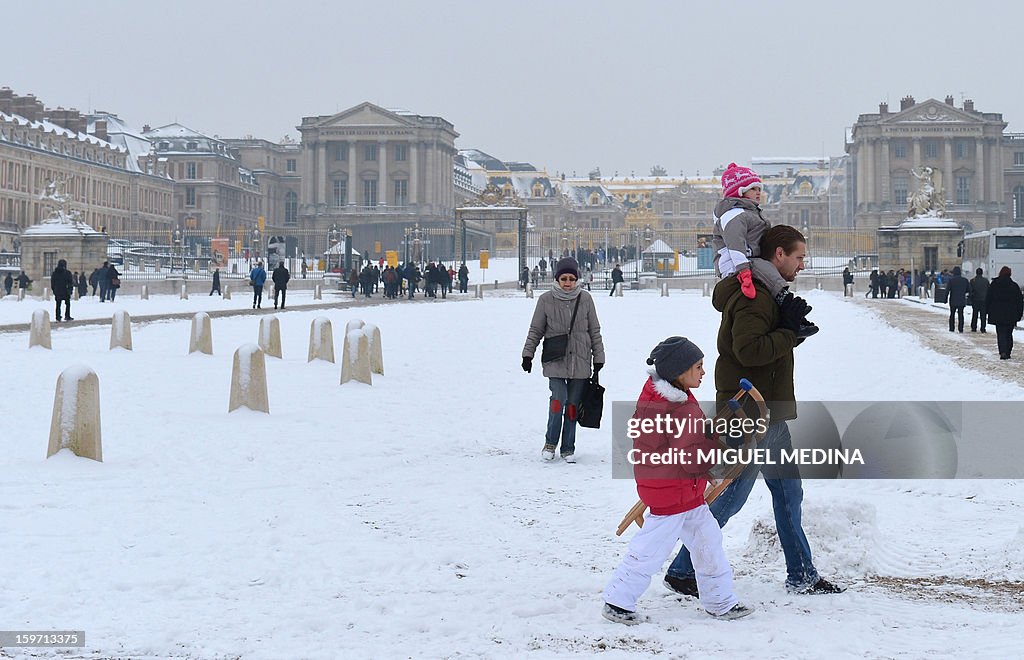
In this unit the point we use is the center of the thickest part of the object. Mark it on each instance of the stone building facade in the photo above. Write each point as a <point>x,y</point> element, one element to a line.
<point>278,171</point>
<point>376,173</point>
<point>966,145</point>
<point>105,182</point>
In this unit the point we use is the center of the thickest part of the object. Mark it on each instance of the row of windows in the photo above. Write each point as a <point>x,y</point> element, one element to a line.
<point>400,152</point>
<point>930,149</point>
<point>341,192</point>
<point>961,190</point>
<point>81,189</point>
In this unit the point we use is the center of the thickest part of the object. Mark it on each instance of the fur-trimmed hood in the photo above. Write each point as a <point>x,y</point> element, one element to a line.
<point>665,389</point>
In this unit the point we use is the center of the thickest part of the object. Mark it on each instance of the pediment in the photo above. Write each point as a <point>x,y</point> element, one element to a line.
<point>931,111</point>
<point>365,114</point>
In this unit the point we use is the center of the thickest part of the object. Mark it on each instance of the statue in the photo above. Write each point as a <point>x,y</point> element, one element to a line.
<point>929,199</point>
<point>56,198</point>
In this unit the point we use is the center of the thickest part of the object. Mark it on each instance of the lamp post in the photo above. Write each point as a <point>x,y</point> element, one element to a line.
<point>333,236</point>
<point>417,243</point>
<point>565,238</point>
<point>648,239</point>
<point>176,239</point>
<point>256,237</point>
<point>636,255</point>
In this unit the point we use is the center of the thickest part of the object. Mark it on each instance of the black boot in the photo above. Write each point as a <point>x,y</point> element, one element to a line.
<point>682,586</point>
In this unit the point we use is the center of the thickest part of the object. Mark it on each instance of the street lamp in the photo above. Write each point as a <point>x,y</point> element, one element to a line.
<point>648,239</point>
<point>255,246</point>
<point>333,236</point>
<point>417,243</point>
<point>176,241</point>
<point>565,238</point>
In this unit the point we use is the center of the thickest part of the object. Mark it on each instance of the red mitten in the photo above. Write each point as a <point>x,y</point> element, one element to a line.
<point>746,283</point>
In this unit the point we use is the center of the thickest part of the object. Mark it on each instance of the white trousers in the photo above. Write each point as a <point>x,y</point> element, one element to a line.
<point>652,545</point>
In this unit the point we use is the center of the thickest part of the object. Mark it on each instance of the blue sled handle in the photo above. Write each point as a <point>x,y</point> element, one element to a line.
<point>734,405</point>
<point>746,384</point>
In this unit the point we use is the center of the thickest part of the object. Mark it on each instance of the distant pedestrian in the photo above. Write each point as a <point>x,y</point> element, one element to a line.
<point>304,268</point>
<point>62,284</point>
<point>113,282</point>
<point>257,278</point>
<point>958,287</point>
<point>8,284</point>
<point>94,280</point>
<point>83,285</point>
<point>281,277</point>
<point>23,281</point>
<point>216,282</point>
<point>979,296</point>
<point>616,278</point>
<point>1005,306</point>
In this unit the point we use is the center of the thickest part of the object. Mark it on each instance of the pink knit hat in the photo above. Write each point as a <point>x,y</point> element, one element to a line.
<point>737,180</point>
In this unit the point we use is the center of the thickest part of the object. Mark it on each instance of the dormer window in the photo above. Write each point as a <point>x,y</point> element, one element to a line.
<point>192,146</point>
<point>163,146</point>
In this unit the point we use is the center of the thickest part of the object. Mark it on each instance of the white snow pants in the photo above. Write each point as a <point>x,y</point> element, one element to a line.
<point>651,546</point>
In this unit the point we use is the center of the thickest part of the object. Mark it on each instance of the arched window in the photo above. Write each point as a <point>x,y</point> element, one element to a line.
<point>1018,204</point>
<point>806,188</point>
<point>595,199</point>
<point>507,190</point>
<point>291,208</point>
<point>538,190</point>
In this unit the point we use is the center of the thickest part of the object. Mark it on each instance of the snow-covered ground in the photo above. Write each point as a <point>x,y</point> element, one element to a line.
<point>414,518</point>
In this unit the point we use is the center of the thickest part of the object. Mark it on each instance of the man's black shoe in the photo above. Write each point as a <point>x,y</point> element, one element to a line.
<point>682,586</point>
<point>822,586</point>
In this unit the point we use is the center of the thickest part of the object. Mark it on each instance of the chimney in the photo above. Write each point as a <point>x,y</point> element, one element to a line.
<point>949,100</point>
<point>883,109</point>
<point>906,102</point>
<point>6,100</point>
<point>100,129</point>
<point>28,107</point>
<point>146,128</point>
<point>969,105</point>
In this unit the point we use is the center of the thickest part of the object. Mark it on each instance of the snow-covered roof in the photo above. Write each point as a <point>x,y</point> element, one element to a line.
<point>120,134</point>
<point>659,247</point>
<point>59,227</point>
<point>50,127</point>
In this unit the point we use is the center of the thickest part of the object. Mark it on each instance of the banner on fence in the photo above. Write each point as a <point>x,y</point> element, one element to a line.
<point>218,253</point>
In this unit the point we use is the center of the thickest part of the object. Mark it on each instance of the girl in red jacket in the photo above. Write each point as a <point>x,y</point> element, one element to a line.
<point>668,430</point>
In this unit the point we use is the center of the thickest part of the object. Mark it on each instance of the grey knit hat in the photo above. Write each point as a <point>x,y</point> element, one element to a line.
<point>567,265</point>
<point>674,356</point>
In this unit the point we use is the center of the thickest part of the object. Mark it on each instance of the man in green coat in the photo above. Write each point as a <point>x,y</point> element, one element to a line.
<point>756,341</point>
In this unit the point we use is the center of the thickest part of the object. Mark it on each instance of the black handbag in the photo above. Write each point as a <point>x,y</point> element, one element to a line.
<point>556,347</point>
<point>592,404</point>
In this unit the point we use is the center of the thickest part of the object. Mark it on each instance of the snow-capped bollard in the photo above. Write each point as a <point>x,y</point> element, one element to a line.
<point>226,295</point>
<point>39,331</point>
<point>318,294</point>
<point>495,284</point>
<point>376,350</point>
<point>46,293</point>
<point>321,340</point>
<point>21,294</point>
<point>75,423</point>
<point>354,324</point>
<point>74,293</point>
<point>664,289</point>
<point>355,358</point>
<point>618,289</point>
<point>819,287</point>
<point>707,290</point>
<point>249,379</point>
<point>270,336</point>
<point>184,292</point>
<point>920,292</point>
<point>145,292</point>
<point>848,290</point>
<point>529,291</point>
<point>121,331</point>
<point>479,293</point>
<point>201,339</point>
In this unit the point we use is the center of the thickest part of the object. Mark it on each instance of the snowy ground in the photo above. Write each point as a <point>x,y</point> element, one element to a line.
<point>414,518</point>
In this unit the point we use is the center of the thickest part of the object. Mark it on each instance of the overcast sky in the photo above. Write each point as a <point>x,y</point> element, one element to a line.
<point>564,85</point>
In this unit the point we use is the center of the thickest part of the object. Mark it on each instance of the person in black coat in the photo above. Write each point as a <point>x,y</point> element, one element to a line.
<point>8,284</point>
<point>61,283</point>
<point>83,285</point>
<point>1005,307</point>
<point>958,287</point>
<point>281,277</point>
<point>216,282</point>
<point>616,278</point>
<point>979,294</point>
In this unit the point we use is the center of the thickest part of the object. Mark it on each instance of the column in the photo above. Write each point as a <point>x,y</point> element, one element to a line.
<point>308,174</point>
<point>382,172</point>
<point>871,186</point>
<point>916,153</point>
<point>428,184</point>
<point>353,176</point>
<point>414,172</point>
<point>322,171</point>
<point>978,189</point>
<point>886,172</point>
<point>947,163</point>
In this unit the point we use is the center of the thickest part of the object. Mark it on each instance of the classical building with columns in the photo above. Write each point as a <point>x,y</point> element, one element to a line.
<point>376,173</point>
<point>963,144</point>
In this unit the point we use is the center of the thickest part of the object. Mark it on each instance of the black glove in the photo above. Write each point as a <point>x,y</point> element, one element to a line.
<point>597,367</point>
<point>527,364</point>
<point>792,312</point>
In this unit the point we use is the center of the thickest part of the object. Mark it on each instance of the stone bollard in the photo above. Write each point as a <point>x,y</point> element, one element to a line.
<point>321,340</point>
<point>618,290</point>
<point>479,293</point>
<point>664,289</point>
<point>495,284</point>
<point>848,290</point>
<point>318,294</point>
<point>270,336</point>
<point>184,292</point>
<point>226,294</point>
<point>249,379</point>
<point>74,293</point>
<point>920,292</point>
<point>355,358</point>
<point>75,423</point>
<point>46,293</point>
<point>707,290</point>
<point>201,340</point>
<point>121,331</point>
<point>354,324</point>
<point>21,294</point>
<point>145,292</point>
<point>819,287</point>
<point>529,291</point>
<point>376,350</point>
<point>39,332</point>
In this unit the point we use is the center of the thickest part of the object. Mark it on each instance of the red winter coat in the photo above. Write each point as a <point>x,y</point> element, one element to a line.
<point>679,486</point>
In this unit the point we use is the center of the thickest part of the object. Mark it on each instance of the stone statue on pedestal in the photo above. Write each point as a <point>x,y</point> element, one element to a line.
<point>930,198</point>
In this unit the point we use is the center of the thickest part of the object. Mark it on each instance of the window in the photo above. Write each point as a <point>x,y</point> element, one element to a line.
<point>291,208</point>
<point>341,151</point>
<point>899,149</point>
<point>370,188</point>
<point>595,199</point>
<point>340,192</point>
<point>899,190</point>
<point>1010,242</point>
<point>1018,204</point>
<point>370,153</point>
<point>164,146</point>
<point>1018,158</point>
<point>401,152</point>
<point>192,146</point>
<point>931,149</point>
<point>538,190</point>
<point>190,195</point>
<point>190,170</point>
<point>401,192</point>
<point>963,190</point>
<point>961,148</point>
<point>290,165</point>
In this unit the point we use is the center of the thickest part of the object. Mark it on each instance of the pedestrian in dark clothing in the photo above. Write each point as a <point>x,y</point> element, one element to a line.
<point>979,294</point>
<point>8,284</point>
<point>101,280</point>
<point>113,282</point>
<point>847,282</point>
<point>257,278</point>
<point>1005,306</point>
<point>83,285</point>
<point>872,284</point>
<point>23,281</point>
<point>464,279</point>
<point>281,277</point>
<point>94,279</point>
<point>305,267</point>
<point>616,278</point>
<point>958,287</point>
<point>61,283</point>
<point>216,283</point>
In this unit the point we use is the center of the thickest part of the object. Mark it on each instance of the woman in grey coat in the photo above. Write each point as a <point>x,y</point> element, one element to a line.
<point>568,375</point>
